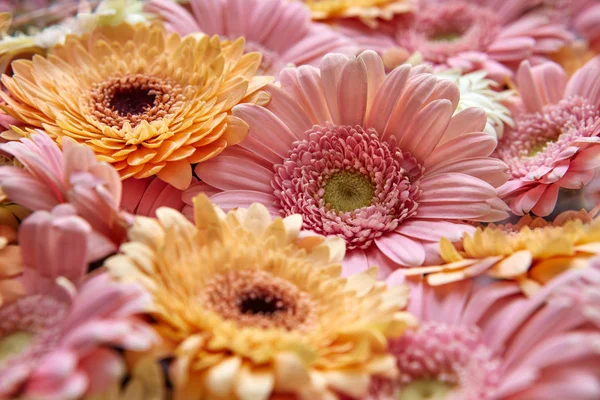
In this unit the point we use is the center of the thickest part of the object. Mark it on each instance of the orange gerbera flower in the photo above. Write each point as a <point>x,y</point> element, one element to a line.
<point>148,102</point>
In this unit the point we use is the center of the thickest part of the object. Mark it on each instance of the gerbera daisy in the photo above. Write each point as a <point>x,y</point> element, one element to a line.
<point>582,16</point>
<point>252,306</point>
<point>367,11</point>
<point>57,338</point>
<point>10,265</point>
<point>555,142</point>
<point>51,177</point>
<point>473,35</point>
<point>121,91</point>
<point>281,31</point>
<point>487,341</point>
<point>377,160</point>
<point>531,252</point>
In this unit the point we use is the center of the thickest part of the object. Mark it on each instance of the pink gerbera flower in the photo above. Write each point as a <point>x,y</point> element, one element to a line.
<point>495,35</point>
<point>73,175</point>
<point>282,31</point>
<point>484,341</point>
<point>555,142</point>
<point>583,16</point>
<point>377,160</point>
<point>56,340</point>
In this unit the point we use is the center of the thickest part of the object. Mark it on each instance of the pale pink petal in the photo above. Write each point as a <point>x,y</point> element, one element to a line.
<point>353,92</point>
<point>400,249</point>
<point>244,198</point>
<point>355,261</point>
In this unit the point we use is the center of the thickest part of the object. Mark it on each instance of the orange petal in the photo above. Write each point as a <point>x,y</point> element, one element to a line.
<point>177,173</point>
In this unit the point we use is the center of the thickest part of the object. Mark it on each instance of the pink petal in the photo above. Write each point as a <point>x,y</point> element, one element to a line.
<point>461,147</point>
<point>434,230</point>
<point>400,249</point>
<point>244,198</point>
<point>352,92</point>
<point>386,98</point>
<point>355,261</point>
<point>235,172</point>
<point>267,134</point>
<point>454,187</point>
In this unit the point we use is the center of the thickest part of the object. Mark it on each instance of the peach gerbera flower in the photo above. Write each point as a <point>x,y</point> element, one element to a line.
<point>281,31</point>
<point>556,139</point>
<point>380,161</point>
<point>532,252</point>
<point>121,91</point>
<point>250,306</point>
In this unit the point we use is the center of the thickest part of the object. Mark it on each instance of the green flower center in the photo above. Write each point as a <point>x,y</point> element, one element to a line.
<point>449,36</point>
<point>14,343</point>
<point>540,146</point>
<point>347,191</point>
<point>425,389</point>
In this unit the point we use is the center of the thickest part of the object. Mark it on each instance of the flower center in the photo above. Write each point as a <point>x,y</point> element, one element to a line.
<point>442,360</point>
<point>347,191</point>
<point>540,138</point>
<point>13,343</point>
<point>346,181</point>
<point>132,99</point>
<point>446,36</point>
<point>29,328</point>
<point>425,389</point>
<point>446,29</point>
<point>258,299</point>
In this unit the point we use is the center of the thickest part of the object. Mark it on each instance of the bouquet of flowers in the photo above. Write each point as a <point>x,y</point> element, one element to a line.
<point>300,200</point>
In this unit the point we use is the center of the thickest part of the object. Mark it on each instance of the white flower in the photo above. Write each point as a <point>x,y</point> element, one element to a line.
<point>477,91</point>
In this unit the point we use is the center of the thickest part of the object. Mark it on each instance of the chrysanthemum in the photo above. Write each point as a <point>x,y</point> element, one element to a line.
<point>252,306</point>
<point>531,252</point>
<point>377,160</point>
<point>487,341</point>
<point>367,11</point>
<point>281,31</point>
<point>478,91</point>
<point>473,34</point>
<point>148,102</point>
<point>57,338</point>
<point>11,264</point>
<point>555,142</point>
<point>51,177</point>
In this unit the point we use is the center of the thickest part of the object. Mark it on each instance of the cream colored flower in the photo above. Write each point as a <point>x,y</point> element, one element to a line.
<point>253,307</point>
<point>532,252</point>
<point>368,11</point>
<point>478,91</point>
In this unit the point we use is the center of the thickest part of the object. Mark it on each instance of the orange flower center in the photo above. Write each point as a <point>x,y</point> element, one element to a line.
<point>133,99</point>
<point>259,299</point>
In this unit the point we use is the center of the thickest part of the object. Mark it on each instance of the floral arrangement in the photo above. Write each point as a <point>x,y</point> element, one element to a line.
<point>300,200</point>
